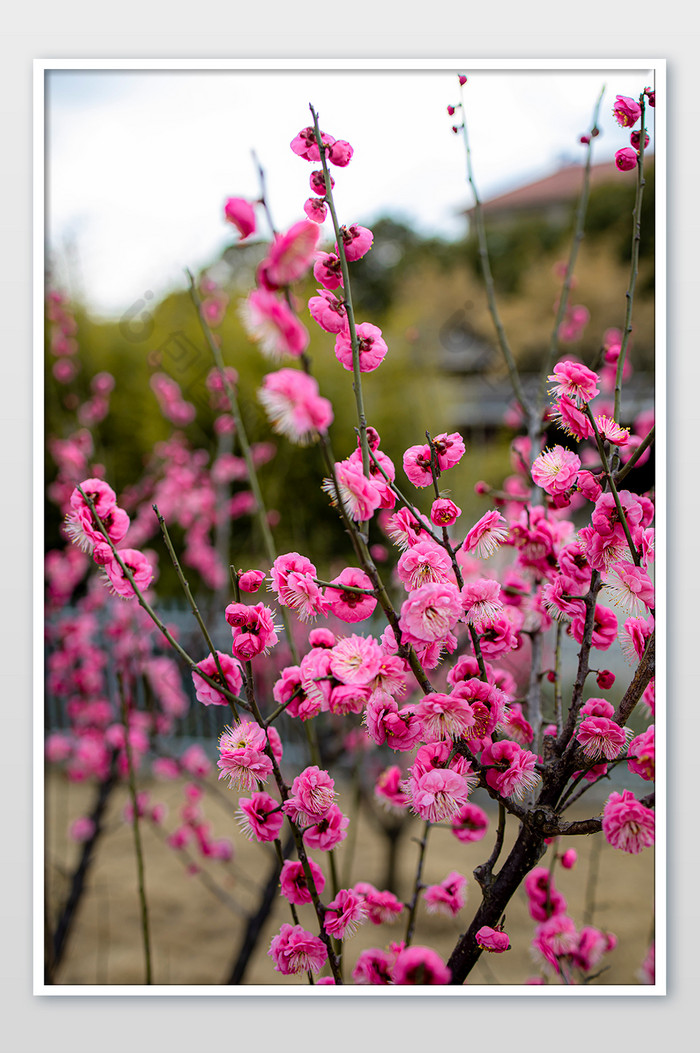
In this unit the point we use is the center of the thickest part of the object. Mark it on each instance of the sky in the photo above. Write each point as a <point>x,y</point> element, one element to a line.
<point>138,163</point>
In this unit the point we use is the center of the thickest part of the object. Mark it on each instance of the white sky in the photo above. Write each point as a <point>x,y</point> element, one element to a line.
<point>139,162</point>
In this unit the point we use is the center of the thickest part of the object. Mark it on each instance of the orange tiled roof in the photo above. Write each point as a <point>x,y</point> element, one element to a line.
<point>563,185</point>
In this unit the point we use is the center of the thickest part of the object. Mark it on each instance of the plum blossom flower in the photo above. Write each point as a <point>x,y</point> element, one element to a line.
<point>604,628</point>
<point>610,430</point>
<point>293,881</point>
<point>259,817</point>
<point>383,907</point>
<point>304,144</point>
<point>328,311</point>
<point>544,900</point>
<point>575,381</point>
<point>448,897</point>
<point>513,769</point>
<point>294,950</point>
<point>422,563</point>
<point>601,736</point>
<point>253,629</point>
<point>373,967</point>
<point>231,669</point>
<point>389,791</point>
<point>438,794</point>
<point>470,823</point>
<point>358,494</point>
<point>626,159</point>
<point>290,255</point>
<point>347,605</point>
<point>140,568</point>
<point>339,153</point>
<point>481,601</point>
<point>486,535</point>
<point>420,965</point>
<point>629,587</point>
<point>444,512</point>
<point>241,757</point>
<point>328,271</point>
<point>444,716</point>
<point>626,111</point>
<point>328,832</point>
<point>345,913</point>
<point>495,940</point>
<point>241,214</point>
<point>271,323</point>
<point>312,796</point>
<point>316,210</point>
<point>294,407</point>
<point>431,611</point>
<point>357,241</point>
<point>641,754</point>
<point>400,729</point>
<point>627,824</point>
<point>555,470</point>
<point>371,347</point>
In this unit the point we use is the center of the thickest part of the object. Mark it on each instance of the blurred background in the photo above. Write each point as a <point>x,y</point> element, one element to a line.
<point>139,164</point>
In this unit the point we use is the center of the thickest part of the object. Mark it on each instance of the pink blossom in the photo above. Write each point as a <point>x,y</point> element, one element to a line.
<point>516,726</point>
<point>312,796</point>
<point>634,636</point>
<point>612,431</point>
<point>544,899</point>
<point>357,241</point>
<point>642,754</point>
<point>347,605</point>
<point>481,601</point>
<point>383,908</point>
<point>317,182</point>
<point>601,736</point>
<point>567,416</point>
<point>448,897</point>
<point>627,824</point>
<point>102,496</point>
<point>604,628</point>
<point>140,568</point>
<point>511,768</point>
<point>575,381</point>
<point>420,965</point>
<point>444,512</point>
<point>304,144</point>
<point>294,884</point>
<point>626,111</point>
<point>588,485</point>
<point>469,824</point>
<point>626,159</point>
<point>358,494</point>
<point>592,945</point>
<point>605,679</point>
<point>294,950</point>
<point>568,858</point>
<point>555,938</point>
<point>294,407</point>
<point>598,707</point>
<point>251,580</point>
<point>328,271</point>
<point>356,659</point>
<point>328,311</point>
<point>271,323</point>
<point>241,214</point>
<point>495,940</point>
<point>444,716</point>
<point>388,790</point>
<point>241,757</point>
<point>373,967</point>
<point>404,529</point>
<point>259,817</point>
<point>344,914</point>
<point>423,563</point>
<point>253,630</point>
<point>316,209</point>
<point>231,669</point>
<point>291,254</point>
<point>438,794</point>
<point>431,611</point>
<point>339,153</point>
<point>82,829</point>
<point>371,347</point>
<point>555,470</point>
<point>629,587</point>
<point>484,703</point>
<point>486,535</point>
<point>328,832</point>
<point>400,729</point>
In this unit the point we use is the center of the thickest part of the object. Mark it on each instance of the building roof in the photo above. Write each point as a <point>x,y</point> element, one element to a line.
<point>559,187</point>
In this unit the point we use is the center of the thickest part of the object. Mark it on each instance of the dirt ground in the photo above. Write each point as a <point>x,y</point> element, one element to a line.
<point>197,920</point>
